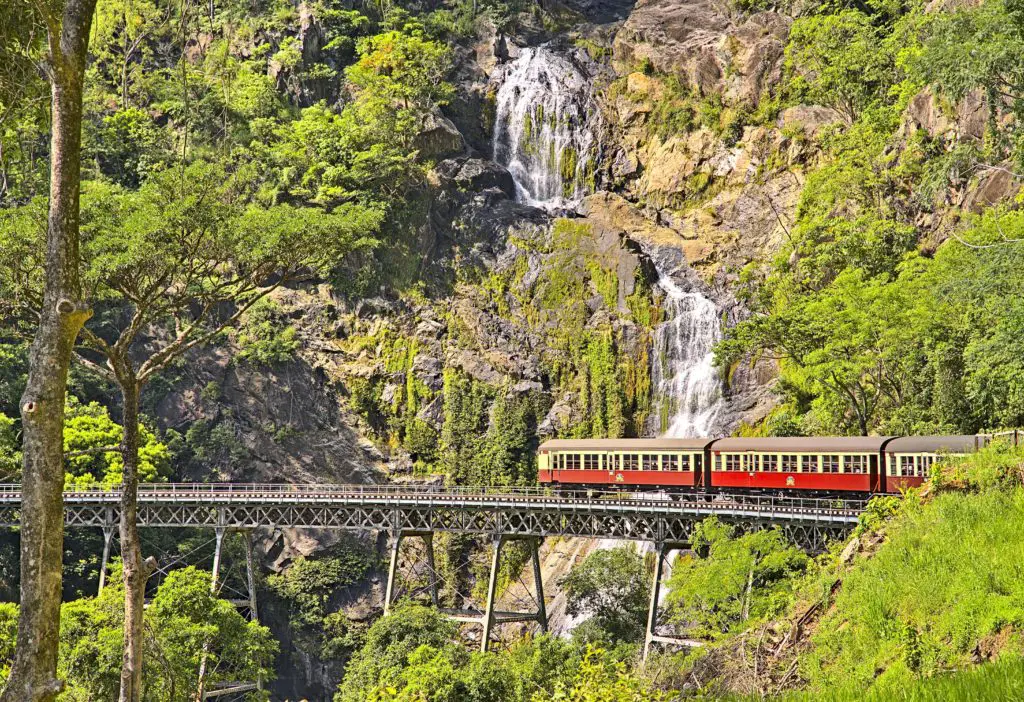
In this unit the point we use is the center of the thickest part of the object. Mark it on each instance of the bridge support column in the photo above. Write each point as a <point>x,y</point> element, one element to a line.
<point>663,552</point>
<point>218,536</point>
<point>250,581</point>
<point>491,616</point>
<point>108,536</point>
<point>492,586</point>
<point>538,584</point>
<point>395,548</point>
<point>250,575</point>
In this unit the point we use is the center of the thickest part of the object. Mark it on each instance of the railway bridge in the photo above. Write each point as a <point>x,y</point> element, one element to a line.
<point>415,511</point>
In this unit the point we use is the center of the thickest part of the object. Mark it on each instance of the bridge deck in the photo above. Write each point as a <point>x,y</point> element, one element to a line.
<point>510,511</point>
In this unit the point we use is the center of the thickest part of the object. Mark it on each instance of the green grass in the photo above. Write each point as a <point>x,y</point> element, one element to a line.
<point>946,586</point>
<point>1001,680</point>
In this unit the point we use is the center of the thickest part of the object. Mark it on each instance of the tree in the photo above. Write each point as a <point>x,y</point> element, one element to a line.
<point>840,60</point>
<point>183,619</point>
<point>742,577</point>
<point>174,252</point>
<point>611,587</point>
<point>976,48</point>
<point>162,263</point>
<point>389,644</point>
<point>89,432</point>
<point>61,315</point>
<point>602,679</point>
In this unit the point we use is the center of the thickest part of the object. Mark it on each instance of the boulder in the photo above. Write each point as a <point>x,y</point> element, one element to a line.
<point>477,174</point>
<point>439,138</point>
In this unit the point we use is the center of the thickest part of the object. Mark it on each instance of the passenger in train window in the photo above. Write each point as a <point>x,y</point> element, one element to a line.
<point>769,463</point>
<point>791,463</point>
<point>830,463</point>
<point>856,464</point>
<point>649,462</point>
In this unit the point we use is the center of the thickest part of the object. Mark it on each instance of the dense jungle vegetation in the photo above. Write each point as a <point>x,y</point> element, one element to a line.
<point>221,161</point>
<point>878,327</point>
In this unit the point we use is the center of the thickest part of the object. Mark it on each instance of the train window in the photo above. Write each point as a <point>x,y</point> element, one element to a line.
<point>930,461</point>
<point>649,462</point>
<point>591,461</point>
<point>906,466</point>
<point>733,462</point>
<point>630,461</point>
<point>670,462</point>
<point>791,463</point>
<point>830,463</point>
<point>856,464</point>
<point>769,463</point>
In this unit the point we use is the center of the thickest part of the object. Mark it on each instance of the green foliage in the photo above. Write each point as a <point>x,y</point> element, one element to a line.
<point>942,585</point>
<point>742,578</point>
<point>999,680</point>
<point>842,60</point>
<point>264,338</point>
<point>488,437</point>
<point>183,619</point>
<point>975,48</point>
<point>612,588</point>
<point>390,642</point>
<point>10,450</point>
<point>88,428</point>
<point>128,146</point>
<point>307,586</point>
<point>602,679</point>
<point>8,636</point>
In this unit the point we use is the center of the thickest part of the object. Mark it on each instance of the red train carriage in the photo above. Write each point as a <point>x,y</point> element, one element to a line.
<point>819,464</point>
<point>643,463</point>
<point>909,459</point>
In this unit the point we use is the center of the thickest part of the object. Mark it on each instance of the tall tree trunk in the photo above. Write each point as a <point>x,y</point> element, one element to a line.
<point>136,572</point>
<point>34,672</point>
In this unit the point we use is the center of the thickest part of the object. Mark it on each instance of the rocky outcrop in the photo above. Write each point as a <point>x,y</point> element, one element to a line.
<point>275,424</point>
<point>702,42</point>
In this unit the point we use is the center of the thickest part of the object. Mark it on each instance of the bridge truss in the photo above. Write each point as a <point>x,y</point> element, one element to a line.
<point>499,514</point>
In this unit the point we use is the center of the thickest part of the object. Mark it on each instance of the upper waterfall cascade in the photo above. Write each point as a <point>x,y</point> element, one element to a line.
<point>686,382</point>
<point>543,129</point>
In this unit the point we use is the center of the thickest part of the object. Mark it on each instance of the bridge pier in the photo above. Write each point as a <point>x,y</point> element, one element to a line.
<point>663,551</point>
<point>396,542</point>
<point>108,536</point>
<point>218,536</point>
<point>490,616</point>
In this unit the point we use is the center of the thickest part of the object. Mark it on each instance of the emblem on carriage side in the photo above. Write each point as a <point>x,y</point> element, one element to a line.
<point>790,481</point>
<point>619,478</point>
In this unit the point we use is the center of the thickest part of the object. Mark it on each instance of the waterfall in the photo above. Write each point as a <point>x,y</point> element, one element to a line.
<point>688,388</point>
<point>543,133</point>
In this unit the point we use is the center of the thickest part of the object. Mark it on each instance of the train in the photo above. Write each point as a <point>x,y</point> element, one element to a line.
<point>806,465</point>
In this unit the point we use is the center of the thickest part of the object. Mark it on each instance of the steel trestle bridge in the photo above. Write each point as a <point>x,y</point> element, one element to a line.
<point>500,514</point>
<point>536,512</point>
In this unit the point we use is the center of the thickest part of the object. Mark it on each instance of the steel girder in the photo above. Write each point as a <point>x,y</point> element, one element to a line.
<point>535,520</point>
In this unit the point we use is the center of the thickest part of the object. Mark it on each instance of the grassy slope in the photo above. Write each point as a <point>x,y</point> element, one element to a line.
<point>944,591</point>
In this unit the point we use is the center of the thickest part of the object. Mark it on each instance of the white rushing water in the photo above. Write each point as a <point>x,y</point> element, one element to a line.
<point>687,386</point>
<point>543,129</point>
